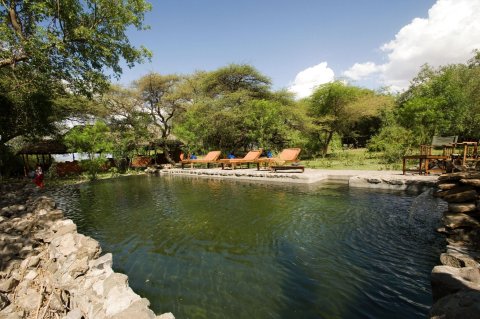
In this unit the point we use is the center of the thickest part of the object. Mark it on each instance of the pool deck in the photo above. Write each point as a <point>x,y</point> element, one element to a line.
<point>355,178</point>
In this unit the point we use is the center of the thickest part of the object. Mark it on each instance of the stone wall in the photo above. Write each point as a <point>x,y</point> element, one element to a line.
<point>48,270</point>
<point>456,283</point>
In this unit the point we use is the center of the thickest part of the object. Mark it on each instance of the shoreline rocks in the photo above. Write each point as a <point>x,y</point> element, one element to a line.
<point>48,270</point>
<point>456,283</point>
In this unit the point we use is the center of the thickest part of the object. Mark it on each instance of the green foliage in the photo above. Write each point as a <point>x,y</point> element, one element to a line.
<point>93,166</point>
<point>162,102</point>
<point>72,40</point>
<point>337,108</point>
<point>90,139</point>
<point>233,109</point>
<point>60,49</point>
<point>95,140</point>
<point>443,101</point>
<point>393,141</point>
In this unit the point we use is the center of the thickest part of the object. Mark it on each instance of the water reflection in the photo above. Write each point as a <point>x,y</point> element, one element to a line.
<point>223,249</point>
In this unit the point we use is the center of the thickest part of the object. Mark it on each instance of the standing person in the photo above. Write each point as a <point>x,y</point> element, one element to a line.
<point>38,179</point>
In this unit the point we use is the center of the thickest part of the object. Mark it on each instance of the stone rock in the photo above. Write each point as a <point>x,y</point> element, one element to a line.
<point>118,295</point>
<point>447,280</point>
<point>447,186</point>
<point>453,220</point>
<point>461,305</point>
<point>472,182</point>
<point>138,310</point>
<point>30,300</point>
<point>462,207</point>
<point>79,267</point>
<point>458,260</point>
<point>8,284</point>
<point>63,246</point>
<point>33,261</point>
<point>453,177</point>
<point>32,274</point>
<point>65,229</point>
<point>43,202</point>
<point>460,196</point>
<point>102,262</point>
<point>88,247</point>
<point>4,302</point>
<point>75,314</point>
<point>167,315</point>
<point>53,215</point>
<point>374,180</point>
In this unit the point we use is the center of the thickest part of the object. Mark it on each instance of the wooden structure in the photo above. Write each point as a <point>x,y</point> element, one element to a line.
<point>248,159</point>
<point>210,158</point>
<point>275,168</point>
<point>287,156</point>
<point>42,152</point>
<point>463,156</point>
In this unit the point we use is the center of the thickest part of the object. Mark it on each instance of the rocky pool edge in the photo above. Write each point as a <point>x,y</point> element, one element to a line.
<point>48,269</point>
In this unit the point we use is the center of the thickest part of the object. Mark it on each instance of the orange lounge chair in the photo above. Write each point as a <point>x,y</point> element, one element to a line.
<point>250,158</point>
<point>287,156</point>
<point>210,158</point>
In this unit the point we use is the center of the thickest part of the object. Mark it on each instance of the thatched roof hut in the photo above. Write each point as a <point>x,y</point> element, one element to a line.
<point>44,147</point>
<point>42,150</point>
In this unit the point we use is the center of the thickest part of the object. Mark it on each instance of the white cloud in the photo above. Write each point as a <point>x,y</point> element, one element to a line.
<point>449,35</point>
<point>361,70</point>
<point>306,80</point>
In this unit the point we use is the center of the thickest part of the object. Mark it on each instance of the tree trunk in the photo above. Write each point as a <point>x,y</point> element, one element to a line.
<point>166,152</point>
<point>327,142</point>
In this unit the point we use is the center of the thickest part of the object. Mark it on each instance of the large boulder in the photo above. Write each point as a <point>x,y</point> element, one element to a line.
<point>447,280</point>
<point>461,305</point>
<point>453,220</point>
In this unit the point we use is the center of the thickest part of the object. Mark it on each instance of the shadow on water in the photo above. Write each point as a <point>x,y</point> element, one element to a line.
<point>300,293</point>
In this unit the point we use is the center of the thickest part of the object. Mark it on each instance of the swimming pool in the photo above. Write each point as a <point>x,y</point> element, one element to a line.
<point>211,248</point>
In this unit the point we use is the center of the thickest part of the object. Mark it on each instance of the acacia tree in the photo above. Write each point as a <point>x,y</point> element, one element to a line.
<point>233,109</point>
<point>53,47</point>
<point>163,102</point>
<point>128,123</point>
<point>336,107</point>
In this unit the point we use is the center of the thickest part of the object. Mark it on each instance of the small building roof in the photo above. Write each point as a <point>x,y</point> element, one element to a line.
<point>44,147</point>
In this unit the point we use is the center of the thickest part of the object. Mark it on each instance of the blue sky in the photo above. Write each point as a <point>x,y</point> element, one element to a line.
<point>326,39</point>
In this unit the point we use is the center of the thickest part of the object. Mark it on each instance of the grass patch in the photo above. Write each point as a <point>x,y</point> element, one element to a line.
<point>352,159</point>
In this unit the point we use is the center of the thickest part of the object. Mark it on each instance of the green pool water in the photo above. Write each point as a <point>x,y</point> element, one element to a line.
<point>206,248</point>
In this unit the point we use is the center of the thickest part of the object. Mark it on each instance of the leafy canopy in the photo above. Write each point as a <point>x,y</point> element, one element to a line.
<point>73,41</point>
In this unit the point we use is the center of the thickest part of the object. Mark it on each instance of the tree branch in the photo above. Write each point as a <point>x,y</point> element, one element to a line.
<point>14,21</point>
<point>12,61</point>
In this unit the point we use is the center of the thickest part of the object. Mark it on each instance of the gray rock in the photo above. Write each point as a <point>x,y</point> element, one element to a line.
<point>119,296</point>
<point>447,186</point>
<point>43,202</point>
<point>74,314</point>
<point>8,284</point>
<point>79,267</point>
<point>472,182</point>
<point>447,280</point>
<point>460,196</point>
<point>102,262</point>
<point>32,274</point>
<point>30,300</point>
<point>461,305</point>
<point>138,310</point>
<point>462,207</point>
<point>88,247</point>
<point>458,260</point>
<point>453,220</point>
<point>4,302</point>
